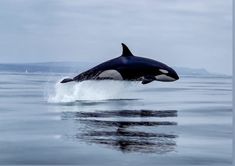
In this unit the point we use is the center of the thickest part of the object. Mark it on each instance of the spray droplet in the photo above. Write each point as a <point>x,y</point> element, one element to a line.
<point>89,90</point>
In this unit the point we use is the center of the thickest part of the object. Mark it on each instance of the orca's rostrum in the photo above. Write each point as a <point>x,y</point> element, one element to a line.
<point>130,68</point>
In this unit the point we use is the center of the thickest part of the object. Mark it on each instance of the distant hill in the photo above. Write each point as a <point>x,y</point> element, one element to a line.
<point>53,67</point>
<point>71,67</point>
<point>191,71</point>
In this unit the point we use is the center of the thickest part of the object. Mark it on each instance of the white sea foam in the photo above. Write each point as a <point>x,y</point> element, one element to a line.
<point>88,90</point>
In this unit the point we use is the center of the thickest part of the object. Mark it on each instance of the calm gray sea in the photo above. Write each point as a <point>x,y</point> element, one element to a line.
<point>187,122</point>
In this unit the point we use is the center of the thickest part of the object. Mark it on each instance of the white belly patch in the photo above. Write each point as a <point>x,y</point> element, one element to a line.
<point>114,74</point>
<point>163,77</point>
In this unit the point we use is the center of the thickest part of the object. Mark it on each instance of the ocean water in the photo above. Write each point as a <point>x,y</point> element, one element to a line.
<point>187,122</point>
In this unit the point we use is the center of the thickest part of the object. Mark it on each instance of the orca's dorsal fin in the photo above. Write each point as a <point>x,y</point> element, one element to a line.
<point>125,51</point>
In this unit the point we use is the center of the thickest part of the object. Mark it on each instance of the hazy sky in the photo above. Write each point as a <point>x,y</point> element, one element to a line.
<point>188,33</point>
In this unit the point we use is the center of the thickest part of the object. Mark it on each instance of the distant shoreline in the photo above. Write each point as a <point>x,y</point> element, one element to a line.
<point>73,67</point>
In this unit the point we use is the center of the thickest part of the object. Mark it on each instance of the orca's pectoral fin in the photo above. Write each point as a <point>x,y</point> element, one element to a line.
<point>66,80</point>
<point>148,79</point>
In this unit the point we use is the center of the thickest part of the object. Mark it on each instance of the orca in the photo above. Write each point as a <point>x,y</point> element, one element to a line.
<point>130,68</point>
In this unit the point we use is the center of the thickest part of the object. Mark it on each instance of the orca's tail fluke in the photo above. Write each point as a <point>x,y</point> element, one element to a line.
<point>66,80</point>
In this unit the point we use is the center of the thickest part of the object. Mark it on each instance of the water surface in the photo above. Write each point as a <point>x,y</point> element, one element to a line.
<point>188,122</point>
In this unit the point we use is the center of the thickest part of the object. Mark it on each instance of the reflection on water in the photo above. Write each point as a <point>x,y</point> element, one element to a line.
<point>124,113</point>
<point>110,128</point>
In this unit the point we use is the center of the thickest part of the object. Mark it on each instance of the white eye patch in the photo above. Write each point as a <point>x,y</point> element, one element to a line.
<point>163,71</point>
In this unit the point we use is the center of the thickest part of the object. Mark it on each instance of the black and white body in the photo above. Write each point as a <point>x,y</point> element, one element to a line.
<point>130,68</point>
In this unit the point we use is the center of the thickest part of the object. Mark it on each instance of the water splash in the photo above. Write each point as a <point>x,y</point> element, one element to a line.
<point>89,90</point>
